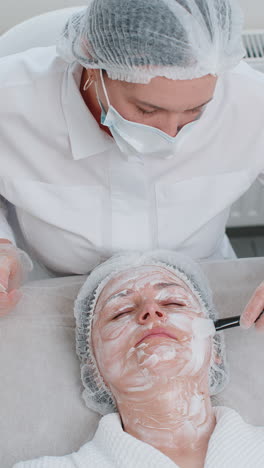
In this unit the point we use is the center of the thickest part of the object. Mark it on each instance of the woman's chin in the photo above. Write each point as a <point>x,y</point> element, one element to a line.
<point>163,356</point>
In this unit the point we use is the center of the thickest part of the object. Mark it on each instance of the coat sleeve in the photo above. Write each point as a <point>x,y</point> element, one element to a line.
<point>5,229</point>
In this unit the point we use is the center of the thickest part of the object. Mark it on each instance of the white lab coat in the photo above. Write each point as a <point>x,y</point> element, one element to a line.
<point>233,444</point>
<point>79,199</point>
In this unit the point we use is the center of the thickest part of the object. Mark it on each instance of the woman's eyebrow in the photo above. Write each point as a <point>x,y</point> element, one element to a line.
<point>128,292</point>
<point>148,104</point>
<point>201,105</point>
<point>167,285</point>
<point>124,293</point>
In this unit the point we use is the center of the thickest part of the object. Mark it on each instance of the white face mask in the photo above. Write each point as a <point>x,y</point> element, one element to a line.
<point>133,137</point>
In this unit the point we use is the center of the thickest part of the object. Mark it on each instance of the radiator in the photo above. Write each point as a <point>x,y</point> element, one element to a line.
<point>249,209</point>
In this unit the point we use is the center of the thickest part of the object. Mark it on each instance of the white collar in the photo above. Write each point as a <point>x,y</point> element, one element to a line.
<point>86,137</point>
<point>125,450</point>
<point>233,443</point>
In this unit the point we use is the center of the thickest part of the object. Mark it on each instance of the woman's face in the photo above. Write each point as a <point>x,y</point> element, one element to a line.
<point>164,104</point>
<point>149,325</point>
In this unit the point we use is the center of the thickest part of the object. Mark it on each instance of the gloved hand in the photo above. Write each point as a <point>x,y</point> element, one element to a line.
<point>15,265</point>
<point>253,309</point>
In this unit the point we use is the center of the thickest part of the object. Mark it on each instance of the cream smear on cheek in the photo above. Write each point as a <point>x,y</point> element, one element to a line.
<point>116,362</point>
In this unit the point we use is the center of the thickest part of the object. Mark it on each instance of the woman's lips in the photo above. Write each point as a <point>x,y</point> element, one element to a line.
<point>155,332</point>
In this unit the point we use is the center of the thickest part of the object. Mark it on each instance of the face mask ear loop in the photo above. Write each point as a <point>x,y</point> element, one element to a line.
<point>97,95</point>
<point>104,88</point>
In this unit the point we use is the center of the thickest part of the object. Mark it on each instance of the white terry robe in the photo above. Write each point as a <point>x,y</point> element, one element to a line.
<point>233,444</point>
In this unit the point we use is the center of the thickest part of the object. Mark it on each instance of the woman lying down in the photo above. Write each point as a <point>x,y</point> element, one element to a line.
<point>150,363</point>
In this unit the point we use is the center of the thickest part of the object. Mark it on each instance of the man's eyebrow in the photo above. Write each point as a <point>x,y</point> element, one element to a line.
<point>148,104</point>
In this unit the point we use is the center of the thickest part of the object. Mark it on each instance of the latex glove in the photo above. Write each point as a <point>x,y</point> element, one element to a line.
<point>253,309</point>
<point>15,265</point>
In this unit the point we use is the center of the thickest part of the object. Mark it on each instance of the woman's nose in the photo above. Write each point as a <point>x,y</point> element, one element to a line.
<point>173,125</point>
<point>172,130</point>
<point>150,312</point>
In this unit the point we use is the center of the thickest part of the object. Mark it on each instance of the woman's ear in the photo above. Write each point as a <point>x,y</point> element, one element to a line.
<point>216,358</point>
<point>89,78</point>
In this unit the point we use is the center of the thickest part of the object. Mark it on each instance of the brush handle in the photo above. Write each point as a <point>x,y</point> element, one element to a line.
<point>230,322</point>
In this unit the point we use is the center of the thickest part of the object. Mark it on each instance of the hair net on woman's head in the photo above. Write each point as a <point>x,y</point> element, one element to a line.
<point>96,394</point>
<point>137,40</point>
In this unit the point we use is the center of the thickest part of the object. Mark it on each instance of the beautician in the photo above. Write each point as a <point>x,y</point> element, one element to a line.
<point>139,131</point>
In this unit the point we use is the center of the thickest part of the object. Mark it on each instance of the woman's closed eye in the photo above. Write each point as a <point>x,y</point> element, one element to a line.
<point>173,304</point>
<point>172,300</point>
<point>122,313</point>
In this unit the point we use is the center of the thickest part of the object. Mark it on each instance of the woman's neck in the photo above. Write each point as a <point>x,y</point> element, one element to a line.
<point>177,419</point>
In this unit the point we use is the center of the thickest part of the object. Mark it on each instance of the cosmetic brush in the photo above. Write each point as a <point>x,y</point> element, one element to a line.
<point>230,322</point>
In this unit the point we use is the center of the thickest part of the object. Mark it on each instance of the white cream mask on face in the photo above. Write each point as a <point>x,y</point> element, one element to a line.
<point>122,352</point>
<point>136,138</point>
<point>141,365</point>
